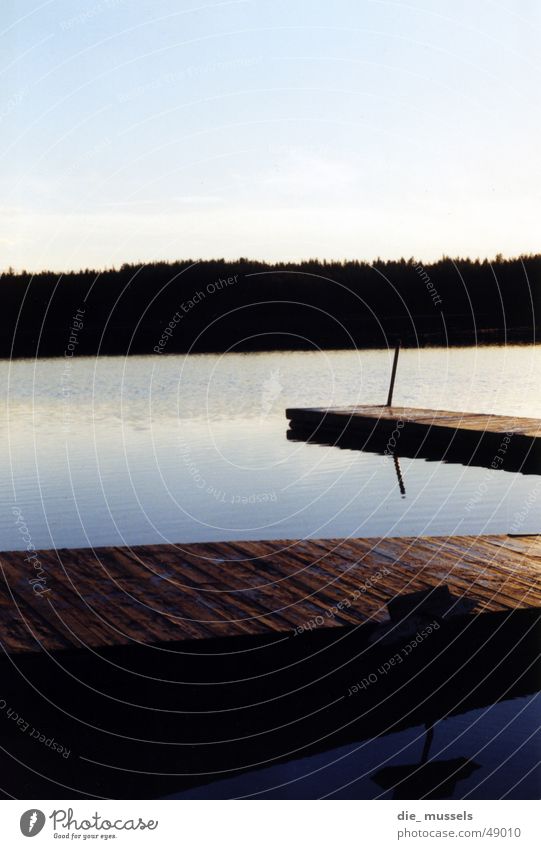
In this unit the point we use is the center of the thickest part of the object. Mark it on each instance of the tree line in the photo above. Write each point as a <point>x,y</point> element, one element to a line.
<point>245,305</point>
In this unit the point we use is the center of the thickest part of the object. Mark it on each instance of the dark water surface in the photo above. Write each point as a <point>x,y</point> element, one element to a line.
<point>489,753</point>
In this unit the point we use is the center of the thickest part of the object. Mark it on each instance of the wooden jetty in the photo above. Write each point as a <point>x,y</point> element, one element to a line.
<point>163,668</point>
<point>147,594</point>
<point>382,415</point>
<point>499,442</point>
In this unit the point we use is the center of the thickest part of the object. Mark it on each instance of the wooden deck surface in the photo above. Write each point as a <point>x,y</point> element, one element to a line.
<point>477,422</point>
<point>148,594</point>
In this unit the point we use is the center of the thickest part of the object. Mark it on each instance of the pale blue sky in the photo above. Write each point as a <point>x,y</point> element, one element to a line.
<point>133,130</point>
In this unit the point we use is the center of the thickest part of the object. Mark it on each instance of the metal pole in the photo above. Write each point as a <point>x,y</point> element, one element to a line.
<point>393,374</point>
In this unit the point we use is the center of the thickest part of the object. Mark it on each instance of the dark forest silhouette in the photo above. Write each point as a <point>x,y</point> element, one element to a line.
<point>245,305</point>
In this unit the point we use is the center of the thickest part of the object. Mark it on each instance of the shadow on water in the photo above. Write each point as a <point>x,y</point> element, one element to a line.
<point>347,773</point>
<point>156,720</point>
<point>429,779</point>
<point>522,454</point>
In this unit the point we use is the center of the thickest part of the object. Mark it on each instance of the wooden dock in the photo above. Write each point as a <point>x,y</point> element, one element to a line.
<point>499,442</point>
<point>379,416</point>
<point>162,668</point>
<point>168,593</point>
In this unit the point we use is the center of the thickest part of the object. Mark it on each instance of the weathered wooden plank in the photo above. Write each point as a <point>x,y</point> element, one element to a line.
<point>148,594</point>
<point>23,629</point>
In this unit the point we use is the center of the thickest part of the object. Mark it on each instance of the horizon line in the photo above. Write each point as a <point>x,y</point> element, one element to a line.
<point>497,259</point>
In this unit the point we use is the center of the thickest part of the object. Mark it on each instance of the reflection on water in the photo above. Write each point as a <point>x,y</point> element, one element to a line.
<point>152,449</point>
<point>489,753</point>
<point>432,780</point>
<point>492,451</point>
<point>429,779</point>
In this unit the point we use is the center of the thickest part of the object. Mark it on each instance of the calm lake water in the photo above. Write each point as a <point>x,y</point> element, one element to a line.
<point>115,451</point>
